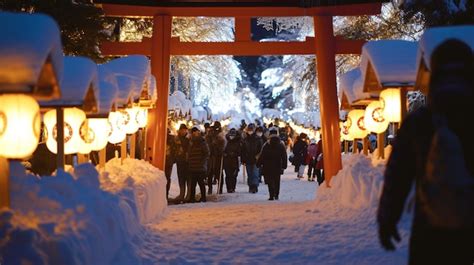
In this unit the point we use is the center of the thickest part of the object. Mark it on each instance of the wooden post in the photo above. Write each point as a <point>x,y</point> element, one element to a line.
<point>381,145</point>
<point>365,145</point>
<point>329,104</point>
<point>346,146</point>
<point>123,149</point>
<point>82,158</point>
<point>160,68</point>
<point>143,144</point>
<point>403,105</point>
<point>102,158</point>
<point>4,183</point>
<point>60,138</point>
<point>133,144</point>
<point>355,149</point>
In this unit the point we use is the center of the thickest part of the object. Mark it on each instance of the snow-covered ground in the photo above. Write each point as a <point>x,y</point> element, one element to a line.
<point>119,217</point>
<point>338,227</point>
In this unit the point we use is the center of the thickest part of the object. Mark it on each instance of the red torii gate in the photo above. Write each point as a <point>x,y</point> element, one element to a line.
<point>161,46</point>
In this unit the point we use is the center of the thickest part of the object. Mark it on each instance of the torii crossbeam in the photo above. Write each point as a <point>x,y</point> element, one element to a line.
<point>161,46</point>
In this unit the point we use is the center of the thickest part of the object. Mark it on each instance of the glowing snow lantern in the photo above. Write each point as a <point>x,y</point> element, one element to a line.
<point>391,104</point>
<point>345,126</point>
<point>74,119</point>
<point>374,119</point>
<point>19,125</point>
<point>101,128</point>
<point>357,129</point>
<point>130,120</point>
<point>117,133</point>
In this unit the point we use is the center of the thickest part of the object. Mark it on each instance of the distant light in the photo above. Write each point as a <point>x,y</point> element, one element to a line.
<point>74,118</point>
<point>20,125</point>
<point>374,118</point>
<point>130,120</point>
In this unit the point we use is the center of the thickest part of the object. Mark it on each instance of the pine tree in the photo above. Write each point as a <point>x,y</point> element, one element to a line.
<point>82,24</point>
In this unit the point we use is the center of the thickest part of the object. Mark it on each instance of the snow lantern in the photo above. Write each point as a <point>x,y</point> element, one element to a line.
<point>74,119</point>
<point>357,129</point>
<point>391,104</point>
<point>142,117</point>
<point>345,126</point>
<point>87,137</point>
<point>20,125</point>
<point>101,129</point>
<point>129,116</point>
<point>117,133</point>
<point>374,119</point>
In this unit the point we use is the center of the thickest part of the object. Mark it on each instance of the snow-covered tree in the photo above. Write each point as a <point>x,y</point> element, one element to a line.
<point>436,13</point>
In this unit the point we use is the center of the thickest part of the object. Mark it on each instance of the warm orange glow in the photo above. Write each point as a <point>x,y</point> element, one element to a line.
<point>74,118</point>
<point>19,125</point>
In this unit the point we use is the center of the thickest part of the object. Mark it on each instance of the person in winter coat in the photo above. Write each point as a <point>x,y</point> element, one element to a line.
<point>251,147</point>
<point>318,168</point>
<point>311,160</point>
<point>273,161</point>
<point>181,144</point>
<point>170,159</point>
<point>232,152</point>
<point>259,131</point>
<point>299,154</point>
<point>451,93</point>
<point>216,141</point>
<point>198,156</point>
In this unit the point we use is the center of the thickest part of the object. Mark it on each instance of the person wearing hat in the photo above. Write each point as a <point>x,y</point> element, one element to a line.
<point>198,155</point>
<point>273,160</point>
<point>251,147</point>
<point>216,141</point>
<point>181,148</point>
<point>232,152</point>
<point>300,148</point>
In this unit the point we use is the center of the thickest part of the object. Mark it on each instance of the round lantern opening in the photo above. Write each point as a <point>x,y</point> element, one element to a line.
<point>117,124</point>
<point>101,129</point>
<point>357,128</point>
<point>390,100</point>
<point>74,119</point>
<point>374,119</point>
<point>19,125</point>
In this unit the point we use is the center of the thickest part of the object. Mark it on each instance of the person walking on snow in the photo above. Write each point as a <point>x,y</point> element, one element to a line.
<point>216,141</point>
<point>435,239</point>
<point>251,147</point>
<point>311,160</point>
<point>273,160</point>
<point>232,152</point>
<point>299,154</point>
<point>181,146</point>
<point>198,155</point>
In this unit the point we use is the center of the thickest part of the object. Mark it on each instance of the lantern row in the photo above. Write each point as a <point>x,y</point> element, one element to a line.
<point>374,93</point>
<point>84,105</point>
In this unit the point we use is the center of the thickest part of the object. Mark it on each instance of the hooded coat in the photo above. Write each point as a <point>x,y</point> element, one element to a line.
<point>273,158</point>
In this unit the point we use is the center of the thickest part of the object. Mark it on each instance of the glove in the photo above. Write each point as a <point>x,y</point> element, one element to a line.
<point>386,233</point>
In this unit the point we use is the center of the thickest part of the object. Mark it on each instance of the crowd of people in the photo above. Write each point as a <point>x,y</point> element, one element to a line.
<point>214,156</point>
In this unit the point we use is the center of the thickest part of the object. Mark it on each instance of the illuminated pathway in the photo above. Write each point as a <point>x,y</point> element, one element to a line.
<point>247,229</point>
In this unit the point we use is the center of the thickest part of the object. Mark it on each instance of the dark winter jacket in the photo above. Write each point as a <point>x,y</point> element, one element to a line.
<point>405,167</point>
<point>181,146</point>
<point>232,152</point>
<point>170,149</point>
<point>216,142</point>
<point>319,155</point>
<point>251,147</point>
<point>198,155</point>
<point>299,152</point>
<point>273,157</point>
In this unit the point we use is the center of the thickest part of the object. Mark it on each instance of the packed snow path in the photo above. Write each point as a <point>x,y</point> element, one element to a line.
<point>243,228</point>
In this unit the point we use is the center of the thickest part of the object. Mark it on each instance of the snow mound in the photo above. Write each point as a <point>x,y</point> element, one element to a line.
<point>67,219</point>
<point>357,185</point>
<point>139,182</point>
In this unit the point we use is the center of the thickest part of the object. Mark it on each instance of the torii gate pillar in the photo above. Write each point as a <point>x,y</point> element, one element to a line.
<point>326,71</point>
<point>160,68</point>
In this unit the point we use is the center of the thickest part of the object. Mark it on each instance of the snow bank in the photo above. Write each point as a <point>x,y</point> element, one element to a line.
<point>138,182</point>
<point>67,219</point>
<point>357,185</point>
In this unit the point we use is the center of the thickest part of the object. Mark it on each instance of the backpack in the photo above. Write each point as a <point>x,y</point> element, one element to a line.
<point>447,191</point>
